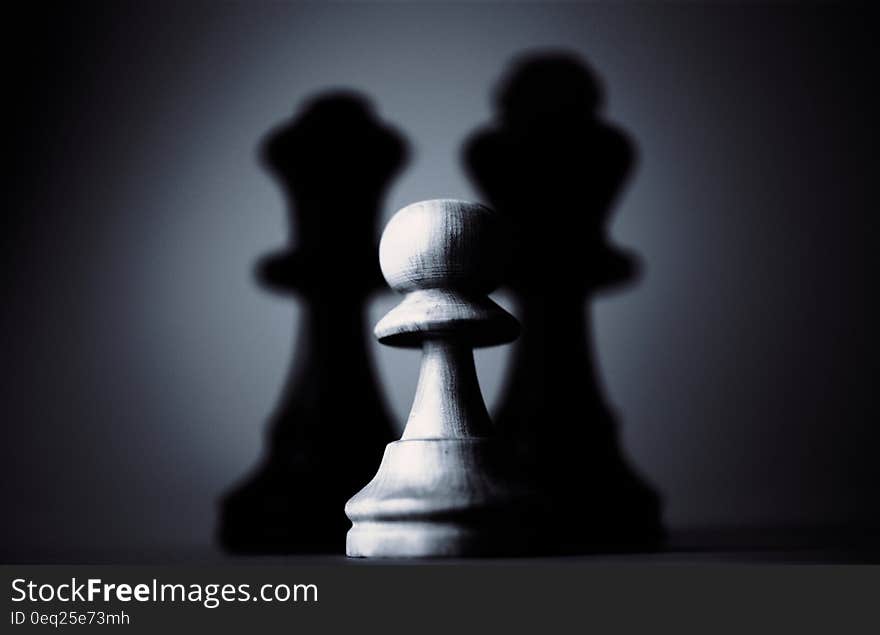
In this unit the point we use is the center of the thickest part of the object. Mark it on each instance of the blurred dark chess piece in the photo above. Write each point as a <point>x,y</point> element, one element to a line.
<point>334,160</point>
<point>552,166</point>
<point>450,486</point>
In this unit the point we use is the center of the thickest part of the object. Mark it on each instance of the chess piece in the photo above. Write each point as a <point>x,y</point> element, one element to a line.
<point>549,153</point>
<point>334,160</point>
<point>449,486</point>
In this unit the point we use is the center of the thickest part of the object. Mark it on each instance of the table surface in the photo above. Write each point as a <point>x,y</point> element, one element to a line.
<point>822,546</point>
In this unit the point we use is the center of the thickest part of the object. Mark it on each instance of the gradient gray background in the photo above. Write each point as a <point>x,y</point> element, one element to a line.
<point>141,360</point>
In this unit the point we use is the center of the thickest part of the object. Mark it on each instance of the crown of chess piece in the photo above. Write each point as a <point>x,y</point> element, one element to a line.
<point>321,446</point>
<point>449,486</point>
<point>549,149</point>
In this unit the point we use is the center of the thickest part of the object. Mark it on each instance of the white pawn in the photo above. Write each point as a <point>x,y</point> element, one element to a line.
<point>448,487</point>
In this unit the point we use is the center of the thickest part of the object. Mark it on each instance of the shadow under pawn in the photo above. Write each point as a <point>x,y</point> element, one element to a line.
<point>554,167</point>
<point>334,161</point>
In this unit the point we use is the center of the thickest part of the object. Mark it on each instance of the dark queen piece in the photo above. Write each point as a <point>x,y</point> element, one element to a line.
<point>553,166</point>
<point>334,162</point>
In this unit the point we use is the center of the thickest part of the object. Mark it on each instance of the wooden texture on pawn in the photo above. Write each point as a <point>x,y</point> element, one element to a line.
<point>448,487</point>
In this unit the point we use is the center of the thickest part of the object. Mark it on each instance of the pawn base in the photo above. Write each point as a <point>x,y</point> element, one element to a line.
<point>443,498</point>
<point>432,539</point>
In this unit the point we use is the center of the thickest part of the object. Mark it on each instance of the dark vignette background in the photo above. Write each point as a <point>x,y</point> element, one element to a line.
<point>140,359</point>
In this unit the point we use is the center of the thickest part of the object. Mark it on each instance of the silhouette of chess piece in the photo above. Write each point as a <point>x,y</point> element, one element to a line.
<point>449,486</point>
<point>553,167</point>
<point>335,161</point>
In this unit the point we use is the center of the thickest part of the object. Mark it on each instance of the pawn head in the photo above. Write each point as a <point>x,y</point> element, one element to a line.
<point>445,244</point>
<point>446,256</point>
